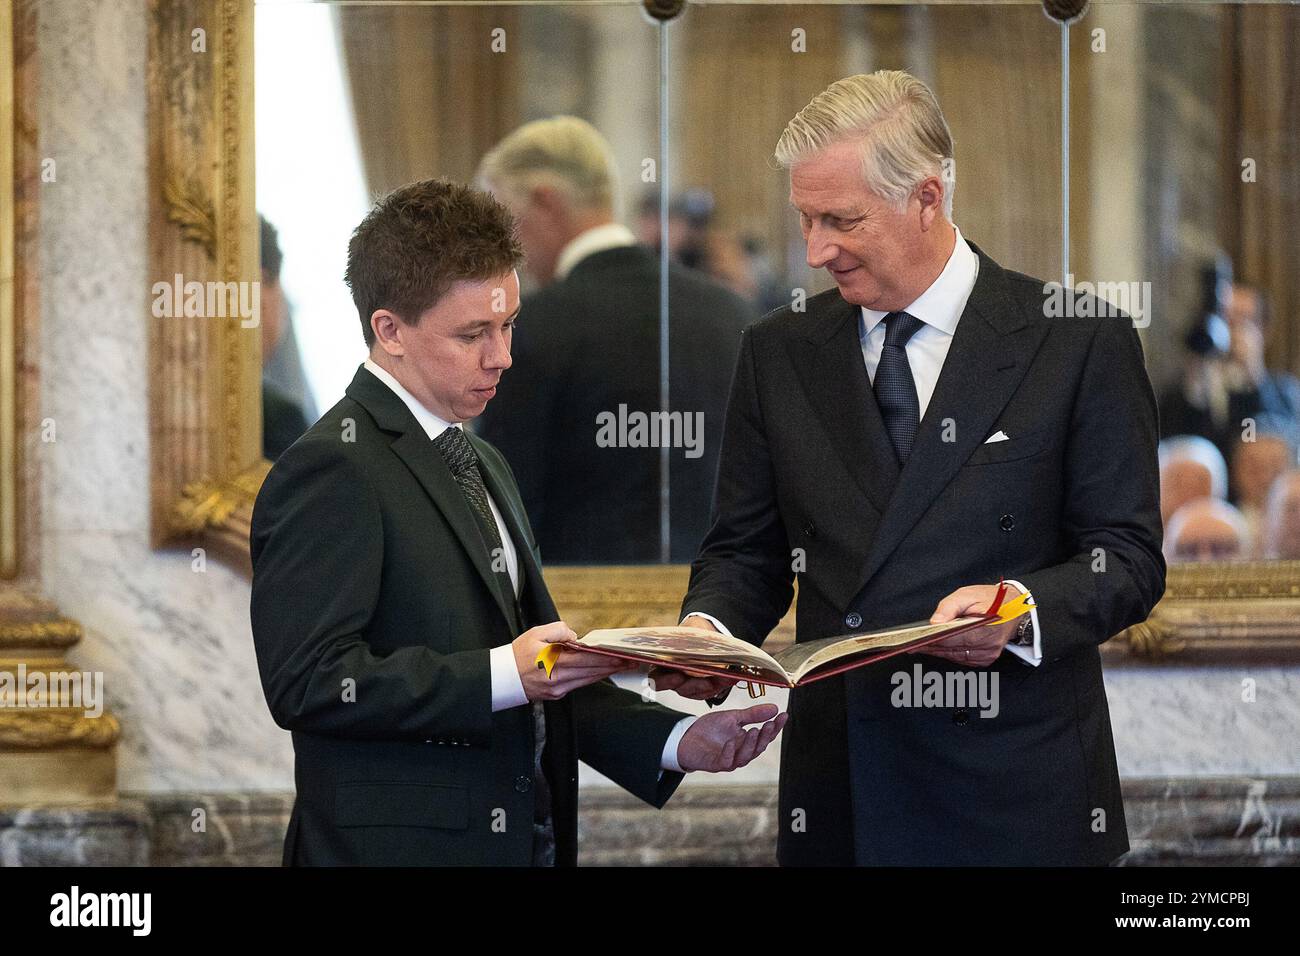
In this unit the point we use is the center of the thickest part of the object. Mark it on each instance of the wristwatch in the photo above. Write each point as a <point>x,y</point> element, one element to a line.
<point>1025,632</point>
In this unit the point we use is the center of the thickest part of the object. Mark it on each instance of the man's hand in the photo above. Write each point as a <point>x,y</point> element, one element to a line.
<point>574,669</point>
<point>980,646</point>
<point>718,742</point>
<point>691,686</point>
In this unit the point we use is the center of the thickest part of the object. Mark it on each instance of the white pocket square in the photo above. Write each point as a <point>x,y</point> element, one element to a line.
<point>996,436</point>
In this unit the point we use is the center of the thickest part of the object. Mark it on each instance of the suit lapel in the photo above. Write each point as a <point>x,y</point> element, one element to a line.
<point>990,353</point>
<point>532,588</point>
<point>829,363</point>
<point>416,451</point>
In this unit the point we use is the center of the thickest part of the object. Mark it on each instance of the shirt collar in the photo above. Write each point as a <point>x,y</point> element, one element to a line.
<point>942,303</point>
<point>612,235</point>
<point>433,425</point>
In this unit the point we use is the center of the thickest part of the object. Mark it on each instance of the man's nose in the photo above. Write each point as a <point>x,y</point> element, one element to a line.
<point>821,248</point>
<point>498,356</point>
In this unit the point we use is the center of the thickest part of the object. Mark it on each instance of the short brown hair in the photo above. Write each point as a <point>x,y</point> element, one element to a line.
<point>421,238</point>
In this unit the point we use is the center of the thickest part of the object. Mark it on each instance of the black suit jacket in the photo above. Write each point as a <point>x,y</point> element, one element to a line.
<point>807,464</point>
<point>283,421</point>
<point>374,606</point>
<point>585,345</point>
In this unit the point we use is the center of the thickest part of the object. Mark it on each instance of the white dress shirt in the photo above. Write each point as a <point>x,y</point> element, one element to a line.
<point>611,235</point>
<point>939,309</point>
<point>507,685</point>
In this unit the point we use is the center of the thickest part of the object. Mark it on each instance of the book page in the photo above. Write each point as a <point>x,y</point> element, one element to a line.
<point>802,659</point>
<point>684,646</point>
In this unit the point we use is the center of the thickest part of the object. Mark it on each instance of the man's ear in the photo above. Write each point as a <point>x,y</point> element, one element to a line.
<point>547,199</point>
<point>930,193</point>
<point>388,332</point>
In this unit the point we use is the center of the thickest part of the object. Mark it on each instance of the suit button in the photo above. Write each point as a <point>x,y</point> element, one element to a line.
<point>523,784</point>
<point>1007,522</point>
<point>810,530</point>
<point>961,717</point>
<point>853,620</point>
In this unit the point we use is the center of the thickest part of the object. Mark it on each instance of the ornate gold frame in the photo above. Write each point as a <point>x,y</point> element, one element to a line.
<point>205,381</point>
<point>1222,613</point>
<point>206,425</point>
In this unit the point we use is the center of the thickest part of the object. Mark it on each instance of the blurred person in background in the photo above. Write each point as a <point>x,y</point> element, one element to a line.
<point>1191,467</point>
<point>1225,380</point>
<point>697,242</point>
<point>1255,466</point>
<point>588,346</point>
<point>283,417</point>
<point>1205,529</point>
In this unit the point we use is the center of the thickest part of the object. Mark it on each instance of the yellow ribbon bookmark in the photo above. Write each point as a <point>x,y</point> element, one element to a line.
<point>548,656</point>
<point>1010,610</point>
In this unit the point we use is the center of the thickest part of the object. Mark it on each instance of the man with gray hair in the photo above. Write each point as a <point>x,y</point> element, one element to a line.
<point>1191,467</point>
<point>587,352</point>
<point>909,438</point>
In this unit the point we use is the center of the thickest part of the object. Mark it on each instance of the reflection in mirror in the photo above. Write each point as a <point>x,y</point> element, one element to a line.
<point>1183,201</point>
<point>575,155</point>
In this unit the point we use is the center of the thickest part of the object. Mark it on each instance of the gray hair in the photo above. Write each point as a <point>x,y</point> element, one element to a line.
<point>905,138</point>
<point>1214,508</point>
<point>564,152</point>
<point>1200,450</point>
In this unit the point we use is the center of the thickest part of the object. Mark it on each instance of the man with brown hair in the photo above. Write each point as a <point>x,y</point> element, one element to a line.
<point>398,604</point>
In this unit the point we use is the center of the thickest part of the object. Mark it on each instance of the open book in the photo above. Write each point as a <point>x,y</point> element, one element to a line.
<point>697,650</point>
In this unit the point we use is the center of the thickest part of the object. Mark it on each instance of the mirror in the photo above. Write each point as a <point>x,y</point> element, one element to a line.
<point>1175,168</point>
<point>604,477</point>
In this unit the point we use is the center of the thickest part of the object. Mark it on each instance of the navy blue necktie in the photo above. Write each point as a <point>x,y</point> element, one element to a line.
<point>895,390</point>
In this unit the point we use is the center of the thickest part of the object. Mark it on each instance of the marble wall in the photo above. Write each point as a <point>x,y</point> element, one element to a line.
<point>174,644</point>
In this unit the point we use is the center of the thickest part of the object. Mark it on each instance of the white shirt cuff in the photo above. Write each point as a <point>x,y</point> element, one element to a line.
<point>711,619</point>
<point>1030,655</point>
<point>507,685</point>
<point>669,761</point>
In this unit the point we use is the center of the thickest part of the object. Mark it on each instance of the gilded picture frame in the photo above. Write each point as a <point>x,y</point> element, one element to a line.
<point>205,380</point>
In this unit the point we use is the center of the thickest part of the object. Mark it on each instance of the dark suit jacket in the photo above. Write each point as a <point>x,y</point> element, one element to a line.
<point>374,606</point>
<point>283,421</point>
<point>807,464</point>
<point>585,345</point>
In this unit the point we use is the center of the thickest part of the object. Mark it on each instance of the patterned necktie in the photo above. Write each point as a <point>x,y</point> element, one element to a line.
<point>462,460</point>
<point>894,387</point>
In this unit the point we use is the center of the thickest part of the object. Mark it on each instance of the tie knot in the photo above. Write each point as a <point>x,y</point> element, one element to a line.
<point>456,450</point>
<point>899,327</point>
